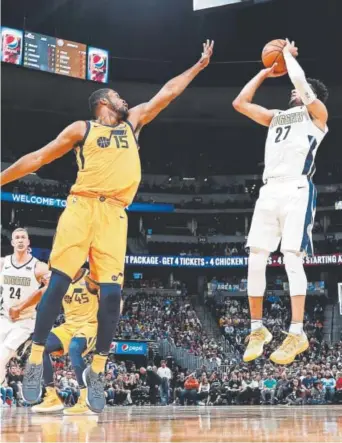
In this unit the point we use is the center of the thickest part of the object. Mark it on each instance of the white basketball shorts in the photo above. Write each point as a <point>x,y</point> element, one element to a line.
<point>285,211</point>
<point>14,334</point>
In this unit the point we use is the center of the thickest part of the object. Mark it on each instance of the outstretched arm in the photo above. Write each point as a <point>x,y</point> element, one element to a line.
<point>316,108</point>
<point>142,114</point>
<point>33,161</point>
<point>32,300</point>
<point>243,102</point>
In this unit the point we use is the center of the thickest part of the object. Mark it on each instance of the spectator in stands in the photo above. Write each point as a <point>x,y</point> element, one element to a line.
<point>203,391</point>
<point>165,374</point>
<point>317,396</point>
<point>268,389</point>
<point>250,389</point>
<point>329,384</point>
<point>297,395</point>
<point>338,392</point>
<point>234,389</point>
<point>14,381</point>
<point>189,393</point>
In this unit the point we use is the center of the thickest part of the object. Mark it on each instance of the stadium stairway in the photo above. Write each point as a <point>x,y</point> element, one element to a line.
<point>332,323</point>
<point>207,320</point>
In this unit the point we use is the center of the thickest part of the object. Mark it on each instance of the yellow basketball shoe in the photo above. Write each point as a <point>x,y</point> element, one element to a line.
<point>292,346</point>
<point>80,408</point>
<point>51,402</point>
<point>257,339</point>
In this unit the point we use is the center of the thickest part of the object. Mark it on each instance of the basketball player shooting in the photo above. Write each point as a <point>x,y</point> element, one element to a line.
<point>286,206</point>
<point>21,278</point>
<point>94,222</point>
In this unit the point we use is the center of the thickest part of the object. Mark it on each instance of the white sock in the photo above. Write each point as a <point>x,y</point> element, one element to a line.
<point>296,328</point>
<point>256,324</point>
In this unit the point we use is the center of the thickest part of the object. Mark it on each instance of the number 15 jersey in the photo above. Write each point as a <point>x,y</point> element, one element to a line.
<point>108,163</point>
<point>291,144</point>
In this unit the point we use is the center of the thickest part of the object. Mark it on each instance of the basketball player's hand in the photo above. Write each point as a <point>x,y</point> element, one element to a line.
<point>208,49</point>
<point>14,313</point>
<point>270,72</point>
<point>291,48</point>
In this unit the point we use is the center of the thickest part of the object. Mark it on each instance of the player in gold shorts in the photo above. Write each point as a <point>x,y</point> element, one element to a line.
<point>75,337</point>
<point>94,223</point>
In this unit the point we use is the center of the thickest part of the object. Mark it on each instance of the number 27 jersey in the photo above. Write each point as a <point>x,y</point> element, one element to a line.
<point>291,144</point>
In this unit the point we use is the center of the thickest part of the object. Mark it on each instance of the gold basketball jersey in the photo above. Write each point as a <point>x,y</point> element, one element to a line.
<point>108,163</point>
<point>80,306</point>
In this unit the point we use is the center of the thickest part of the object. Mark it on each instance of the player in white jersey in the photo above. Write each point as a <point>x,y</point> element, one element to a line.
<point>22,276</point>
<point>285,209</point>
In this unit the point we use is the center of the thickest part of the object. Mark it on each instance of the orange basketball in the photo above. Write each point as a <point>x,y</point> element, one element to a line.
<point>273,53</point>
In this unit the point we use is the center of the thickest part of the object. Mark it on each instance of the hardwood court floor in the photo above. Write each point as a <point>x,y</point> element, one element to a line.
<point>178,424</point>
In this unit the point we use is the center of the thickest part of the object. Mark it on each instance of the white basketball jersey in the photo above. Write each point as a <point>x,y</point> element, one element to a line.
<point>17,285</point>
<point>291,144</point>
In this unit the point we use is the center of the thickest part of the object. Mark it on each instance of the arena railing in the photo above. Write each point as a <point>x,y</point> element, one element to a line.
<point>183,357</point>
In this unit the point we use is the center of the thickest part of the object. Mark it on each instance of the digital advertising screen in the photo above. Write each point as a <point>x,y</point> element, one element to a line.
<point>39,52</point>
<point>97,65</point>
<point>71,58</point>
<point>11,46</point>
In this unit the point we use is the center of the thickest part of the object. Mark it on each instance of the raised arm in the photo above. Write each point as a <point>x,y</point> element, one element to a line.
<point>33,161</point>
<point>308,95</point>
<point>244,101</point>
<point>142,114</point>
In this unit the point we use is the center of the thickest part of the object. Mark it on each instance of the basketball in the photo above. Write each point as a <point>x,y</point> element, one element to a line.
<point>273,53</point>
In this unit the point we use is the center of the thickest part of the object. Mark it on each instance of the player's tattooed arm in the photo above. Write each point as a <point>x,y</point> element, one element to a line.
<point>63,143</point>
<point>143,114</point>
<point>244,101</point>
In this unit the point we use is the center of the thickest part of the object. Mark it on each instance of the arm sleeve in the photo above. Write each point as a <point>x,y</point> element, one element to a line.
<point>298,79</point>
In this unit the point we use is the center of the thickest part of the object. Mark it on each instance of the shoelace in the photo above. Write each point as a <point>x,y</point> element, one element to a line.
<point>31,374</point>
<point>290,342</point>
<point>96,382</point>
<point>255,336</point>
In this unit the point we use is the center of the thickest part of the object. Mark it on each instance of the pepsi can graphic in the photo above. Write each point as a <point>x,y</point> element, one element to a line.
<point>97,65</point>
<point>11,46</point>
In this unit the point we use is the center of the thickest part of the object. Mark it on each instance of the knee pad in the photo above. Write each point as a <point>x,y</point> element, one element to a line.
<point>295,272</point>
<point>257,262</point>
<point>110,297</point>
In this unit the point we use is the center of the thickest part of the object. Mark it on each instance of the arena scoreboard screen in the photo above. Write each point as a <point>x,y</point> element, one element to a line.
<point>55,55</point>
<point>40,52</point>
<point>71,58</point>
<point>11,46</point>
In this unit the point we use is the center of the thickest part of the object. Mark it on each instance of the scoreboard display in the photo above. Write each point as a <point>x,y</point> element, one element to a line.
<point>71,58</point>
<point>55,55</point>
<point>40,52</point>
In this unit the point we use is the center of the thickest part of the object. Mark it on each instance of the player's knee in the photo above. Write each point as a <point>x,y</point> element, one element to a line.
<point>295,272</point>
<point>257,263</point>
<point>77,347</point>
<point>52,344</point>
<point>110,297</point>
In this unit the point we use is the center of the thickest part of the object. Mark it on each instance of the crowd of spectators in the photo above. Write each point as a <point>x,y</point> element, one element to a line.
<point>314,378</point>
